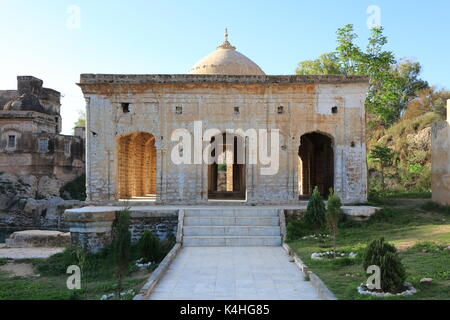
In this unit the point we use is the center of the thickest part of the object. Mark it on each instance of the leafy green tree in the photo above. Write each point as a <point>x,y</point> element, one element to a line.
<point>327,63</point>
<point>121,246</point>
<point>384,156</point>
<point>315,211</point>
<point>392,84</point>
<point>333,216</point>
<point>385,256</point>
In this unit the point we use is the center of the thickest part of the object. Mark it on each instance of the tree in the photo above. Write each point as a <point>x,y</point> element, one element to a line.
<point>385,256</point>
<point>327,63</point>
<point>81,122</point>
<point>333,216</point>
<point>392,84</point>
<point>383,155</point>
<point>315,211</point>
<point>121,246</point>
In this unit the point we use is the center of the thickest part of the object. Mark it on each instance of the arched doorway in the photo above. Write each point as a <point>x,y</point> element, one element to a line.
<point>136,156</point>
<point>315,164</point>
<point>226,175</point>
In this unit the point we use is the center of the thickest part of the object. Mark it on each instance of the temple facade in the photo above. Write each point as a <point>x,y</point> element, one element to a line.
<point>314,127</point>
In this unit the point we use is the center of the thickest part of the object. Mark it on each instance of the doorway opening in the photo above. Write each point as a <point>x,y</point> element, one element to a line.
<point>226,175</point>
<point>136,167</point>
<point>315,164</point>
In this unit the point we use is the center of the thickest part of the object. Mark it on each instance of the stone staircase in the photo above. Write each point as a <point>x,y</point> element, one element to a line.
<point>231,227</point>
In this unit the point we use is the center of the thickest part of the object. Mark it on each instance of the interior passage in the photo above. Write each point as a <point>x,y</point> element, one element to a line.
<point>136,166</point>
<point>316,164</point>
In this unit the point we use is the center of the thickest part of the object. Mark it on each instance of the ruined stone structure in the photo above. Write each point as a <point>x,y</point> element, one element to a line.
<point>440,160</point>
<point>131,118</point>
<point>30,139</point>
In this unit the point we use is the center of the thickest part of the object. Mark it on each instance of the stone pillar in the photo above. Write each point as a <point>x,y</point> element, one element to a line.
<point>440,160</point>
<point>90,229</point>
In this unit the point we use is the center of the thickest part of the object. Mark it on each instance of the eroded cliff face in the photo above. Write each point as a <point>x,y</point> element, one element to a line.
<point>32,202</point>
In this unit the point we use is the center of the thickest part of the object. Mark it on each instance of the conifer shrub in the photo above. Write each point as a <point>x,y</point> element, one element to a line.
<point>385,256</point>
<point>333,216</point>
<point>121,246</point>
<point>315,211</point>
<point>149,247</point>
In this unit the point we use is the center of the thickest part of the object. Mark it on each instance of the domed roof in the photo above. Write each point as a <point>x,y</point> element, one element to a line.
<point>226,60</point>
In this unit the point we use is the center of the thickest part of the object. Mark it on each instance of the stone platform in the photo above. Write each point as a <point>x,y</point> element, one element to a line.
<point>218,224</point>
<point>38,239</point>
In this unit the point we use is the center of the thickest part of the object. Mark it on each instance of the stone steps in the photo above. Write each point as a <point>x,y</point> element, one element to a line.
<point>231,241</point>
<point>231,227</point>
<point>241,212</point>
<point>232,231</point>
<point>231,221</point>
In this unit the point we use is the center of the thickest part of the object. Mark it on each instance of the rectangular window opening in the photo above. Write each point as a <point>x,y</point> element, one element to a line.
<point>11,141</point>
<point>125,107</point>
<point>43,145</point>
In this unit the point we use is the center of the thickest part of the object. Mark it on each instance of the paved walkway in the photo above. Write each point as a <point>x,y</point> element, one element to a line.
<point>28,253</point>
<point>244,273</point>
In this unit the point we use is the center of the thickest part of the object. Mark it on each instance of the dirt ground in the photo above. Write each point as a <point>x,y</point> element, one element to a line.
<point>14,269</point>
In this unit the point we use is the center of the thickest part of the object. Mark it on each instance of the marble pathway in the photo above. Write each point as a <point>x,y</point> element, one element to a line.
<point>230,273</point>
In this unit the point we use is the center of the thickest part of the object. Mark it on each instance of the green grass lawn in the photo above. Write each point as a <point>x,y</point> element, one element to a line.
<point>419,234</point>
<point>97,279</point>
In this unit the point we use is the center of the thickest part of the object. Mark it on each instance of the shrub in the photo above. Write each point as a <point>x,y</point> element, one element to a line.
<point>76,188</point>
<point>149,247</point>
<point>294,230</point>
<point>333,216</point>
<point>315,211</point>
<point>385,256</point>
<point>121,246</point>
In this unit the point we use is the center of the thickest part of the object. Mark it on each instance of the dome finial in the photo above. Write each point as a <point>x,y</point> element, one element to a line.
<point>226,44</point>
<point>226,34</point>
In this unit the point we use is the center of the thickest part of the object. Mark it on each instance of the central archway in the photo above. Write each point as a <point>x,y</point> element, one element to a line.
<point>315,164</point>
<point>136,157</point>
<point>226,175</point>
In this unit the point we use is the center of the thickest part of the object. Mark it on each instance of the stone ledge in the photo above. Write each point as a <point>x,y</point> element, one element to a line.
<point>86,79</point>
<point>316,282</point>
<point>38,239</point>
<point>159,272</point>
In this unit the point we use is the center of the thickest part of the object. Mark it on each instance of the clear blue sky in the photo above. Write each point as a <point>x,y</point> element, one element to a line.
<point>170,36</point>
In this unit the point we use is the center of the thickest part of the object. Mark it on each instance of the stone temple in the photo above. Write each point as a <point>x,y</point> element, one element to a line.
<point>131,119</point>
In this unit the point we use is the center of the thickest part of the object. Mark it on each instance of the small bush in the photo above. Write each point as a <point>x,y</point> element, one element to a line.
<point>76,188</point>
<point>149,247</point>
<point>315,212</point>
<point>333,216</point>
<point>293,230</point>
<point>121,246</point>
<point>385,256</point>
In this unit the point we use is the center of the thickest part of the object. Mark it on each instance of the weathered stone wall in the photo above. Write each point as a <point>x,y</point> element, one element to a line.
<point>161,226</point>
<point>440,160</point>
<point>154,104</point>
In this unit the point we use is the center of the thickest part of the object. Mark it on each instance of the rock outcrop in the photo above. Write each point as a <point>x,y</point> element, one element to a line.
<point>32,202</point>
